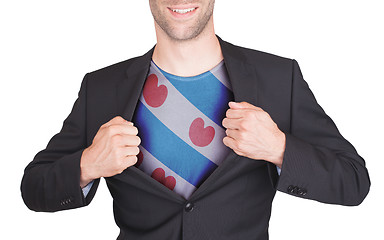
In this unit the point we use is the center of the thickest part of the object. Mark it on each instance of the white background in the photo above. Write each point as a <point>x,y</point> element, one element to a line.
<point>47,47</point>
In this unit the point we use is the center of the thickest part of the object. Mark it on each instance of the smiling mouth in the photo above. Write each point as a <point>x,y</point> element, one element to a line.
<point>183,11</point>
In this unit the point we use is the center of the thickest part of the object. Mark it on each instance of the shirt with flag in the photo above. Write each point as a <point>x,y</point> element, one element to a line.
<point>179,122</point>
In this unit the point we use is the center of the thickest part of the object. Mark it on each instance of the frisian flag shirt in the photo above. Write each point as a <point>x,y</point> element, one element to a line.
<point>179,123</point>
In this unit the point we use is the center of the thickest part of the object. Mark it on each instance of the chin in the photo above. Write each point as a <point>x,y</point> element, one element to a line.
<point>185,34</point>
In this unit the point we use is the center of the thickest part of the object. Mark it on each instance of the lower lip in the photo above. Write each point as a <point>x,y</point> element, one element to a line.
<point>182,15</point>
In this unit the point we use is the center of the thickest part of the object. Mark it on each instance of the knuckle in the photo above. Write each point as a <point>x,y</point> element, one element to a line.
<point>266,115</point>
<point>237,145</point>
<point>135,131</point>
<point>115,139</point>
<point>112,129</point>
<point>131,160</point>
<point>225,122</point>
<point>103,126</point>
<point>243,135</point>
<point>250,114</point>
<point>120,168</point>
<point>225,140</point>
<point>118,118</point>
<point>260,109</point>
<point>131,151</point>
<point>263,115</point>
<point>240,147</point>
<point>228,112</point>
<point>116,153</point>
<point>138,140</point>
<point>120,165</point>
<point>239,153</point>
<point>243,124</point>
<point>136,150</point>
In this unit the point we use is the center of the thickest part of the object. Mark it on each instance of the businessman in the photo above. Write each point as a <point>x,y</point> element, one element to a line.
<point>194,138</point>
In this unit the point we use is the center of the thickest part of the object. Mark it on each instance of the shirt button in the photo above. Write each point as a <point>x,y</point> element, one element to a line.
<point>189,207</point>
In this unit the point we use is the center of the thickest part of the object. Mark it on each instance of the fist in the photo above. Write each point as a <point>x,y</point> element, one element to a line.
<point>252,133</point>
<point>114,148</point>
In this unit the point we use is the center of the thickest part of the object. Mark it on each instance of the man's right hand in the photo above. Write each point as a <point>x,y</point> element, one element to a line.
<point>114,148</point>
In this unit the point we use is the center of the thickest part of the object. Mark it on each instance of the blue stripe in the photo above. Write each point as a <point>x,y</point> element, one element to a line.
<point>204,91</point>
<point>168,148</point>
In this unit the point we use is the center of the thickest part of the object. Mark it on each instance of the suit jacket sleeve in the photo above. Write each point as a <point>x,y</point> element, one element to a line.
<point>51,182</point>
<point>318,162</point>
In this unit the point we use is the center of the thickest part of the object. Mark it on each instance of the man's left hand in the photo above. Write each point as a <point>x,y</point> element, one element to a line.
<point>252,133</point>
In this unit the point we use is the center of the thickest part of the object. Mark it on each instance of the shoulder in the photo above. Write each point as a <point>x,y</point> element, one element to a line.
<point>111,73</point>
<point>114,73</point>
<point>256,57</point>
<point>269,67</point>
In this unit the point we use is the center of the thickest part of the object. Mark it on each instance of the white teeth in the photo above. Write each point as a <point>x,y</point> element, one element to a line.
<point>182,11</point>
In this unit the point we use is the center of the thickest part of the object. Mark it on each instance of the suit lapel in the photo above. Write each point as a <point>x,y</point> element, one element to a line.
<point>242,75</point>
<point>243,79</point>
<point>128,93</point>
<point>129,88</point>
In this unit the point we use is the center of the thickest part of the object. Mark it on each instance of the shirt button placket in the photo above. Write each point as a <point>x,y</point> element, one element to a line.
<point>190,217</point>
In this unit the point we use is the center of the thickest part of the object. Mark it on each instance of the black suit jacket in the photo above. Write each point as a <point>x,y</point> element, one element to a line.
<point>235,201</point>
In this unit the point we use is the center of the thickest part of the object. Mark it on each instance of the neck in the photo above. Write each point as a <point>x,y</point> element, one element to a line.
<point>188,57</point>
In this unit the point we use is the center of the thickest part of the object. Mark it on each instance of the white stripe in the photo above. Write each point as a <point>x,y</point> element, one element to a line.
<point>177,113</point>
<point>222,76</point>
<point>150,163</point>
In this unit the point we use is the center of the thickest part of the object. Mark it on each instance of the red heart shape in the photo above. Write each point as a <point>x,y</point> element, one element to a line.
<point>154,95</point>
<point>159,175</point>
<point>199,135</point>
<point>170,182</point>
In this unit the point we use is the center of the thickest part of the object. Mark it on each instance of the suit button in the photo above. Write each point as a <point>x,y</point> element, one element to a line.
<point>189,207</point>
<point>66,201</point>
<point>291,189</point>
<point>302,192</point>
